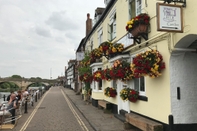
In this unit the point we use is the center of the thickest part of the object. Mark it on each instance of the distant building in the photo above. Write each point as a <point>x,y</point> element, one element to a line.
<point>70,75</point>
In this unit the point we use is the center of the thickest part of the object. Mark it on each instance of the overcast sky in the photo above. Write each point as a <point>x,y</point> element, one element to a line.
<point>38,37</point>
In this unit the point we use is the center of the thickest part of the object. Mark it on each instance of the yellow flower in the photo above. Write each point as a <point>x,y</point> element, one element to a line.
<point>114,49</point>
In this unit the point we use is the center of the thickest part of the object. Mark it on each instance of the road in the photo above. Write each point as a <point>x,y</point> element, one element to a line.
<point>54,112</point>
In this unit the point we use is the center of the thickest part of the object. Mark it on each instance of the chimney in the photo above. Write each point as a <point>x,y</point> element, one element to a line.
<point>88,24</point>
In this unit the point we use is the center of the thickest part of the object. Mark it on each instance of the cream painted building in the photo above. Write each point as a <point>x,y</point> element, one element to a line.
<point>170,98</point>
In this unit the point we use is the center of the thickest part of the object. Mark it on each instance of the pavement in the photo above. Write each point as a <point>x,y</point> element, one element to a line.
<point>99,120</point>
<point>92,116</point>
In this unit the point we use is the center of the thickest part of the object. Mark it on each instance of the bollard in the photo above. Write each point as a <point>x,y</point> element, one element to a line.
<point>36,97</point>
<point>25,105</point>
<point>171,122</point>
<point>4,97</point>
<point>32,100</point>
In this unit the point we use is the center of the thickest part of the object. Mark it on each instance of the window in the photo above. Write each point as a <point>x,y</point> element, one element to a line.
<point>91,45</point>
<point>114,84</point>
<point>100,36</point>
<point>100,83</point>
<point>135,7</point>
<point>112,27</point>
<point>97,86</point>
<point>139,85</point>
<point>93,83</point>
<point>138,7</point>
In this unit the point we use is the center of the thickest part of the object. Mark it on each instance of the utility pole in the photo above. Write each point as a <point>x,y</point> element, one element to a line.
<point>50,73</point>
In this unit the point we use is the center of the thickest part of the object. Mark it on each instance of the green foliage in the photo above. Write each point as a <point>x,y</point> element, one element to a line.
<point>38,78</point>
<point>36,84</point>
<point>16,76</point>
<point>5,86</point>
<point>87,86</point>
<point>84,67</point>
<point>8,86</point>
<point>12,85</point>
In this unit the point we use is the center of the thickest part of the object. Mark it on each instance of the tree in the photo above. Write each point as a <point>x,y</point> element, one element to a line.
<point>36,84</point>
<point>38,78</point>
<point>16,76</point>
<point>5,86</point>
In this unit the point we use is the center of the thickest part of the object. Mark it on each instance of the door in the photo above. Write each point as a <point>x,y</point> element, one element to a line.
<point>122,105</point>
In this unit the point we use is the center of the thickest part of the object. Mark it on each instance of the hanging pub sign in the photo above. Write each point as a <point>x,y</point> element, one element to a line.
<point>80,56</point>
<point>169,18</point>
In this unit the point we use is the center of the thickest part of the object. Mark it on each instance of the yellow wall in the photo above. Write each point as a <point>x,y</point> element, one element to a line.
<point>111,100</point>
<point>97,95</point>
<point>157,91</point>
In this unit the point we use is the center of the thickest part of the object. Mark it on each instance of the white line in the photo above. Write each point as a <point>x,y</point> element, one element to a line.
<point>32,114</point>
<point>75,113</point>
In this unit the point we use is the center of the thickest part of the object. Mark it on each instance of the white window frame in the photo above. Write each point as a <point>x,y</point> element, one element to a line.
<point>138,7</point>
<point>91,44</point>
<point>141,93</point>
<point>95,84</point>
<point>114,84</point>
<point>100,35</point>
<point>112,26</point>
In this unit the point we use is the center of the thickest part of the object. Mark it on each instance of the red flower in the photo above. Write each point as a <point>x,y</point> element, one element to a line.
<point>110,92</point>
<point>133,95</point>
<point>148,63</point>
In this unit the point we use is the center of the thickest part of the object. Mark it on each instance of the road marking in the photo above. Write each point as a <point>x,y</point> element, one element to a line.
<point>33,113</point>
<point>83,126</point>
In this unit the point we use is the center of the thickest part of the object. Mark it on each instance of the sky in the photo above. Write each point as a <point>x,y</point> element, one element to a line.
<point>39,37</point>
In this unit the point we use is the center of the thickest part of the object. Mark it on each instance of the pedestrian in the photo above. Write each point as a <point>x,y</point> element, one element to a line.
<point>8,97</point>
<point>19,95</point>
<point>12,104</point>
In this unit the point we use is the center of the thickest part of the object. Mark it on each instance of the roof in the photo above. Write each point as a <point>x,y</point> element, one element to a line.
<point>99,11</point>
<point>104,14</point>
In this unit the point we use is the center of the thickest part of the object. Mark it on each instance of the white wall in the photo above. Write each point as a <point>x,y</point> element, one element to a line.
<point>183,74</point>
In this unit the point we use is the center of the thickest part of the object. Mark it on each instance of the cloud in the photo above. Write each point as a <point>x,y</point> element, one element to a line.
<point>37,36</point>
<point>61,21</point>
<point>43,32</point>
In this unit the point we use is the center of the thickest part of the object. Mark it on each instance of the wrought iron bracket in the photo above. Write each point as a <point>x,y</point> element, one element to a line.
<point>138,38</point>
<point>176,1</point>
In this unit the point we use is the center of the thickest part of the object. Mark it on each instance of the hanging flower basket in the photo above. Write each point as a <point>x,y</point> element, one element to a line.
<point>106,75</point>
<point>110,92</point>
<point>86,77</point>
<point>97,76</point>
<point>95,55</point>
<point>105,48</point>
<point>121,70</point>
<point>148,63</point>
<point>133,95</point>
<point>138,25</point>
<point>124,93</point>
<point>129,94</point>
<point>117,48</point>
<point>140,29</point>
